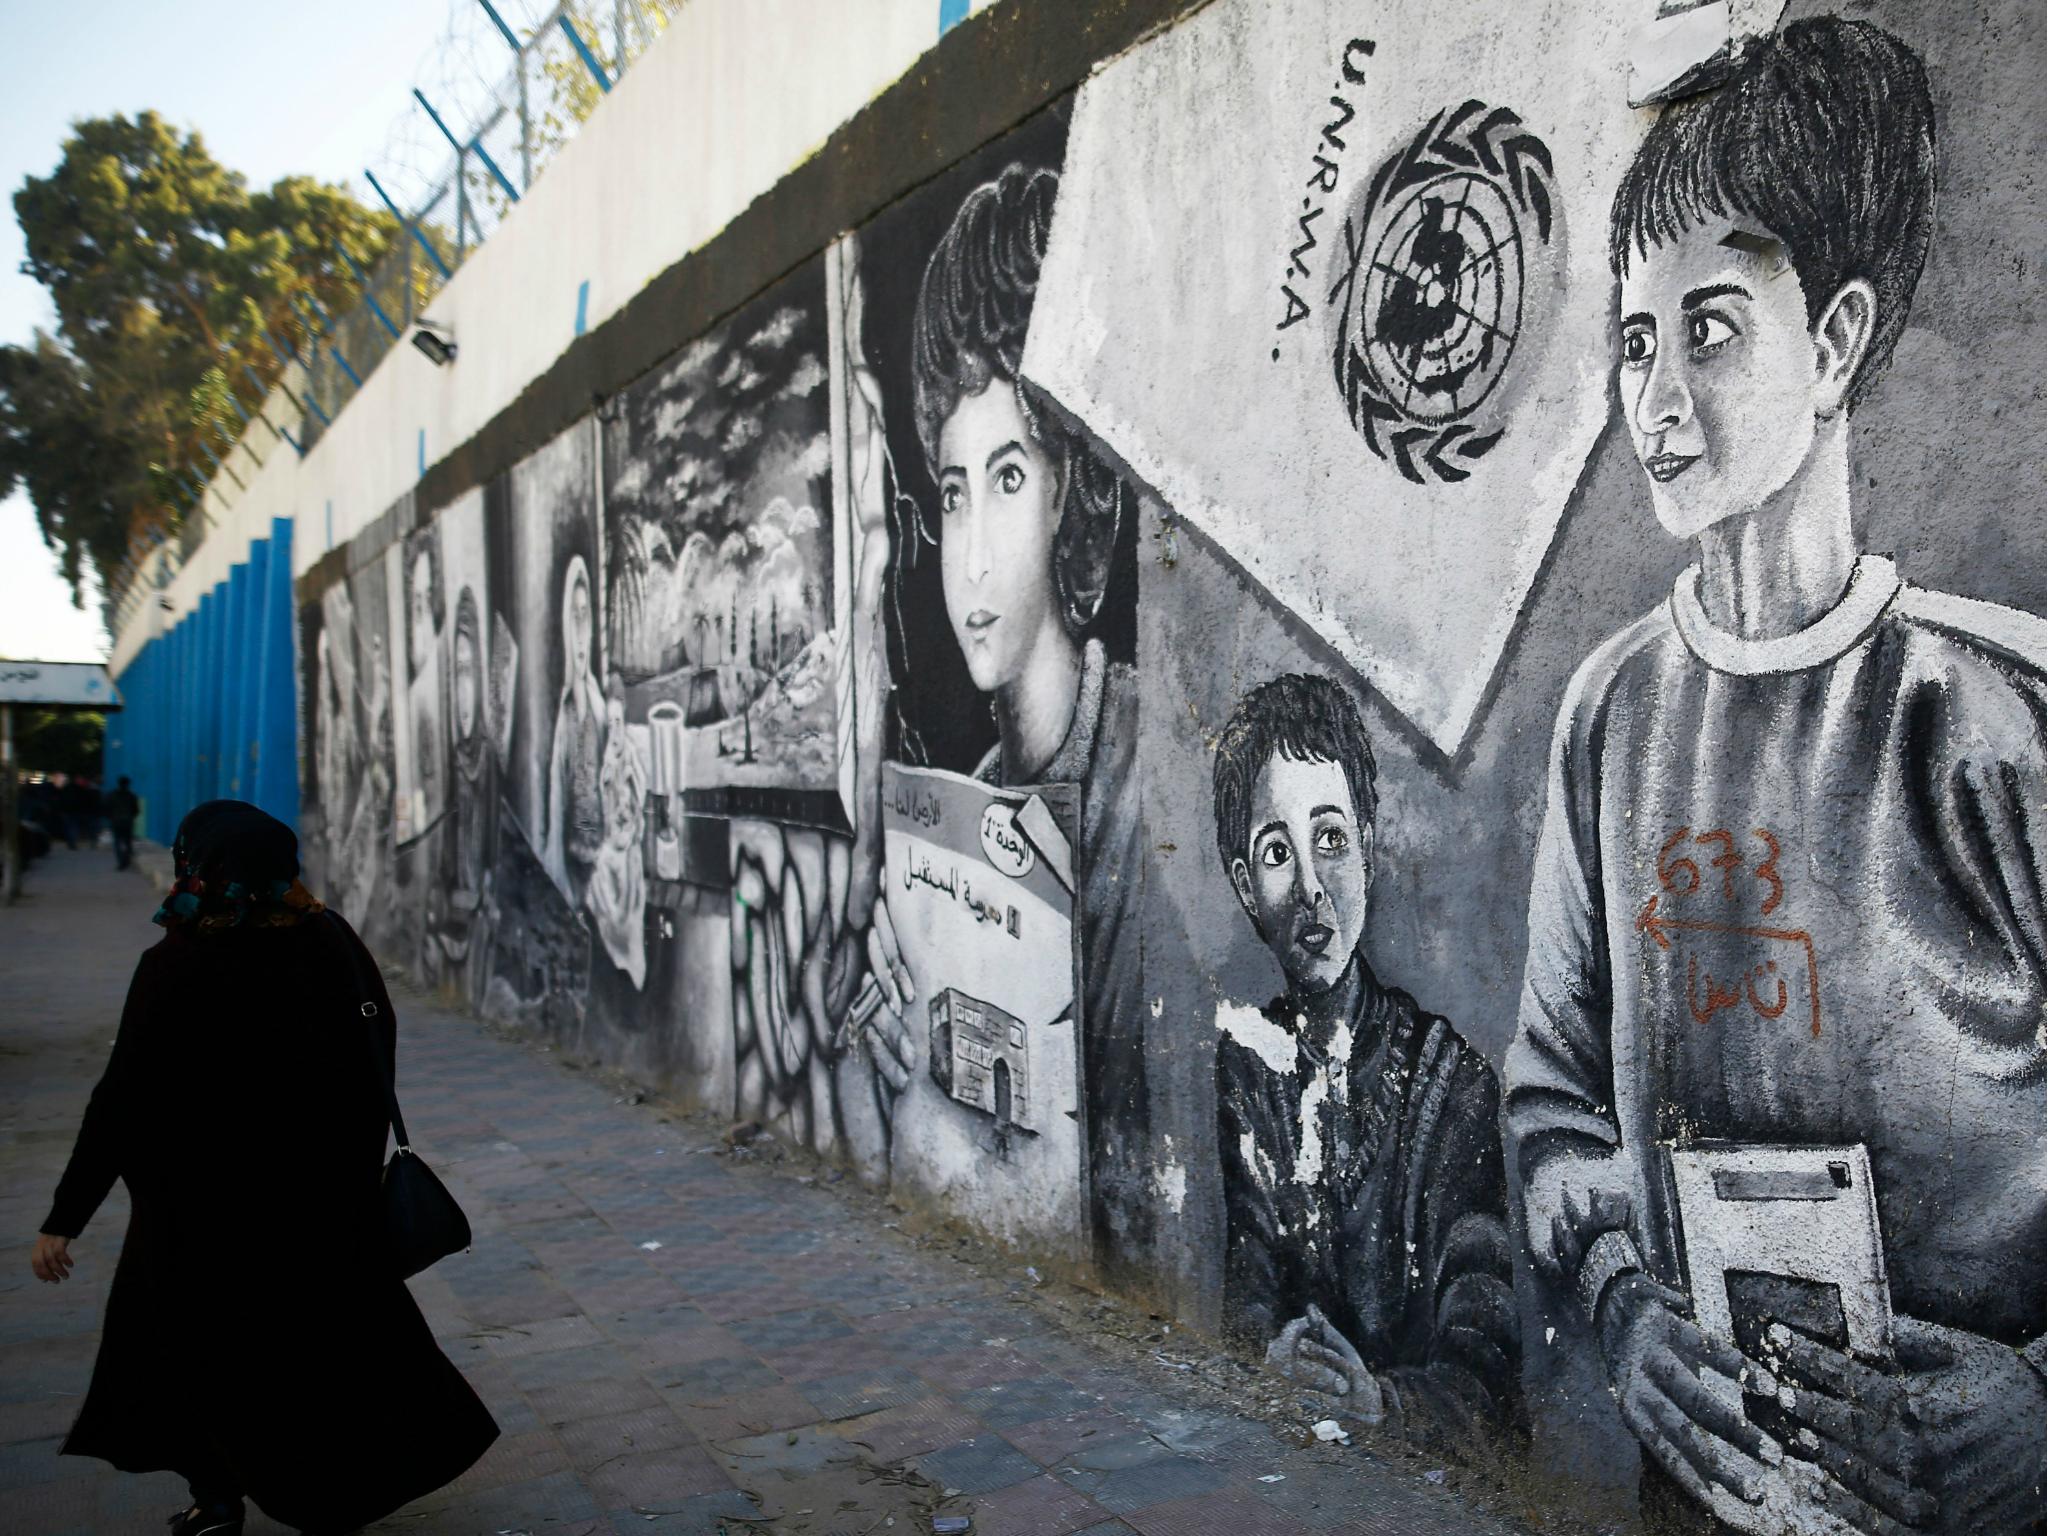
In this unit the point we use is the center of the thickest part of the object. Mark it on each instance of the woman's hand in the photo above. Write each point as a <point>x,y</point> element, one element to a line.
<point>51,1259</point>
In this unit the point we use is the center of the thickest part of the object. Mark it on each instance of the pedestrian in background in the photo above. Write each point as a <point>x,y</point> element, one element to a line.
<point>257,1341</point>
<point>78,803</point>
<point>122,808</point>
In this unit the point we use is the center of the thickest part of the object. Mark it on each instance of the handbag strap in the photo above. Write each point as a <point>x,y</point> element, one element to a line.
<point>386,1068</point>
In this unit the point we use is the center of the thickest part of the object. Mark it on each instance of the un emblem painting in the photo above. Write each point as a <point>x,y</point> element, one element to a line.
<point>1361,341</point>
<point>1429,306</point>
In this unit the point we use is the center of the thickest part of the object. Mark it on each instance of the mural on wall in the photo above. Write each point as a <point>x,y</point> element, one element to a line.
<point>724,616</point>
<point>348,807</point>
<point>1009,610</point>
<point>719,546</point>
<point>422,765</point>
<point>1776,1092</point>
<point>448,837</point>
<point>773,732</point>
<point>553,607</point>
<point>1365,1202</point>
<point>1398,274</point>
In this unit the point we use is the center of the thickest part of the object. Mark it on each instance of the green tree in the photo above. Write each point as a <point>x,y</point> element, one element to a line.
<point>165,271</point>
<point>60,740</point>
<point>56,445</point>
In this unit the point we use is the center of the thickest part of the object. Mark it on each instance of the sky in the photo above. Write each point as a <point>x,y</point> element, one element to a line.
<point>306,89</point>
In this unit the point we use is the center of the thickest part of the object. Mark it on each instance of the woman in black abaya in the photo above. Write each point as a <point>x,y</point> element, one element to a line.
<point>256,1340</point>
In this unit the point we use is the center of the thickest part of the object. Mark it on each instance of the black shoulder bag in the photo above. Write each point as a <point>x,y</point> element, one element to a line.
<point>422,1222</point>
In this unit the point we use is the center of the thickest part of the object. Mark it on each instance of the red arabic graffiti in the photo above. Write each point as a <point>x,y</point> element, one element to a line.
<point>1681,876</point>
<point>1718,997</point>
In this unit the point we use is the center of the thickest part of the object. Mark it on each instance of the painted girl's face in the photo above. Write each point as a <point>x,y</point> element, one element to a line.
<point>1305,878</point>
<point>999,505</point>
<point>1717,374</point>
<point>579,628</point>
<point>421,636</point>
<point>466,693</point>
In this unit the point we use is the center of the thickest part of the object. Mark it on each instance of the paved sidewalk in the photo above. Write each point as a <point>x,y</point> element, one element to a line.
<point>673,1340</point>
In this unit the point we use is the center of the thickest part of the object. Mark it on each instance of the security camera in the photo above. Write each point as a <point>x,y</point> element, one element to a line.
<point>435,341</point>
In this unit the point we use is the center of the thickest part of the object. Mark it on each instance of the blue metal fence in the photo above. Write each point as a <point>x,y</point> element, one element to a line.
<point>211,710</point>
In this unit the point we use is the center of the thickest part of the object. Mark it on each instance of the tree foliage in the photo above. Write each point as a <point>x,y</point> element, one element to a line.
<point>566,94</point>
<point>165,271</point>
<point>60,740</point>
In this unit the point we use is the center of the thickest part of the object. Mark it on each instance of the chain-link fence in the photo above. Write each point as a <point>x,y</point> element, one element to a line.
<point>511,83</point>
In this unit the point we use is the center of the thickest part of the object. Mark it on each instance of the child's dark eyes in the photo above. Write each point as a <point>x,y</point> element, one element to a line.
<point>1331,840</point>
<point>949,499</point>
<point>1276,855</point>
<point>1707,330</point>
<point>1009,479</point>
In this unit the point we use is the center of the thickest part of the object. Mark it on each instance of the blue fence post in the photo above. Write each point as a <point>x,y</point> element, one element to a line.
<point>233,623</point>
<point>185,771</point>
<point>210,693</point>
<point>177,687</point>
<point>474,146</point>
<point>158,796</point>
<point>226,620</point>
<point>424,243</point>
<point>583,52</point>
<point>163,790</point>
<point>168,777</point>
<point>369,296</point>
<point>277,736</point>
<point>201,753</point>
<point>224,613</point>
<point>326,326</point>
<point>140,697</point>
<point>248,758</point>
<point>242,670</point>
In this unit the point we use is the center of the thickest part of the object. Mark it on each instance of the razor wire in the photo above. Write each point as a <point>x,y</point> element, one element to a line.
<point>508,86</point>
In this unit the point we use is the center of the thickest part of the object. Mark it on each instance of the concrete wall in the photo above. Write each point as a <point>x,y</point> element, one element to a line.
<point>1167,650</point>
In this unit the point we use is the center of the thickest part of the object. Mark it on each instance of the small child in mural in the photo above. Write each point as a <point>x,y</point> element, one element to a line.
<point>1788,893</point>
<point>472,849</point>
<point>1365,1200</point>
<point>426,611</point>
<point>575,810</point>
<point>617,894</point>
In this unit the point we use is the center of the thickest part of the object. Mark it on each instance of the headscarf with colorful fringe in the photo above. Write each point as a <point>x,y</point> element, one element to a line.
<point>236,867</point>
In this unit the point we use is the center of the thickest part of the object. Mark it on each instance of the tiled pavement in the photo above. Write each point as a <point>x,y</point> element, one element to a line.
<point>670,1343</point>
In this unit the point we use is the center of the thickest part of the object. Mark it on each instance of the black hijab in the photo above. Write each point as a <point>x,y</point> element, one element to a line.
<point>236,865</point>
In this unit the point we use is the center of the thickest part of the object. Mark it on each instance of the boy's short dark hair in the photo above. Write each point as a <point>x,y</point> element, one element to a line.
<point>1825,135</point>
<point>1298,716</point>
